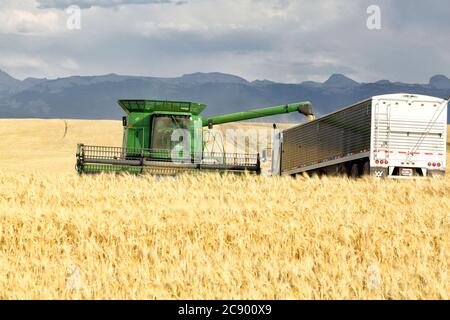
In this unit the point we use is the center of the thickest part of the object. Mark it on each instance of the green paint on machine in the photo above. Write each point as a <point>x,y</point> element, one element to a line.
<point>168,135</point>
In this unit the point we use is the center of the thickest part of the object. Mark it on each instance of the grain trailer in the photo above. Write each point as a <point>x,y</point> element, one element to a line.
<point>393,135</point>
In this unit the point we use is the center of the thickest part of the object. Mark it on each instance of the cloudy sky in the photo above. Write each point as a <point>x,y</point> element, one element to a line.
<point>281,40</point>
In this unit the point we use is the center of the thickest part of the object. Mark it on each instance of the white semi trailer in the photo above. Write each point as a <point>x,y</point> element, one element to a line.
<point>393,135</point>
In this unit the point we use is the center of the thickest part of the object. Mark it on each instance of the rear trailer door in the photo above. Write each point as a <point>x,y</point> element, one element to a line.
<point>408,135</point>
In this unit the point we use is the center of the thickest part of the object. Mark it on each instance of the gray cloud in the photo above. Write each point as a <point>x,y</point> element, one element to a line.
<point>85,4</point>
<point>281,40</point>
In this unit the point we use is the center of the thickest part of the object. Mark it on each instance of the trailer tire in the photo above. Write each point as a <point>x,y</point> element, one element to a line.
<point>354,172</point>
<point>342,170</point>
<point>366,169</point>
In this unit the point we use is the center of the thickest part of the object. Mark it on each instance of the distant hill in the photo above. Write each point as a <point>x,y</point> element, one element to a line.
<point>94,97</point>
<point>7,82</point>
<point>340,81</point>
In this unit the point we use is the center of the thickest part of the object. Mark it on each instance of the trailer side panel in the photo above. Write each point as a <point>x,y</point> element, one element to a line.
<point>345,133</point>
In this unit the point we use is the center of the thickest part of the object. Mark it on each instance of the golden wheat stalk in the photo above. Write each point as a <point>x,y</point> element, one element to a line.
<point>213,236</point>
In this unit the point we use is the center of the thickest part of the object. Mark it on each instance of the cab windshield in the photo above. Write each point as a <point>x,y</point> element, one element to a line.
<point>162,128</point>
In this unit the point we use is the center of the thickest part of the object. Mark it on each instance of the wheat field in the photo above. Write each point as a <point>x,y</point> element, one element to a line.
<point>208,236</point>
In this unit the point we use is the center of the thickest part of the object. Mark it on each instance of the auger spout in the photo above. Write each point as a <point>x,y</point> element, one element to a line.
<point>301,107</point>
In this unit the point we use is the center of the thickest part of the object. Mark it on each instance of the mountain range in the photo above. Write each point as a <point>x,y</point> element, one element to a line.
<point>95,97</point>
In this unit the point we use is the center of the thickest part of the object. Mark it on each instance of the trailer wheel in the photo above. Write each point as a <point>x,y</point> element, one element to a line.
<point>354,172</point>
<point>342,170</point>
<point>366,169</point>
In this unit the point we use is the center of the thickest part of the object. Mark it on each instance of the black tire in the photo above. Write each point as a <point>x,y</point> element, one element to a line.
<point>366,169</point>
<point>354,172</point>
<point>342,170</point>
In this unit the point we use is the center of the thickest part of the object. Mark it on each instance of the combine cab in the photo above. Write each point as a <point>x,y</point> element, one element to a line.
<point>167,137</point>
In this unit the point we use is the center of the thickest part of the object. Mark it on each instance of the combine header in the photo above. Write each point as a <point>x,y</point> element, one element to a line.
<point>167,137</point>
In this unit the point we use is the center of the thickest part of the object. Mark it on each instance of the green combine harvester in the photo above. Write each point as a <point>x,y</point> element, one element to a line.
<point>168,137</point>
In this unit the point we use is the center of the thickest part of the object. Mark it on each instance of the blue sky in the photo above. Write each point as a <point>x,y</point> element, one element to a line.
<point>281,40</point>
